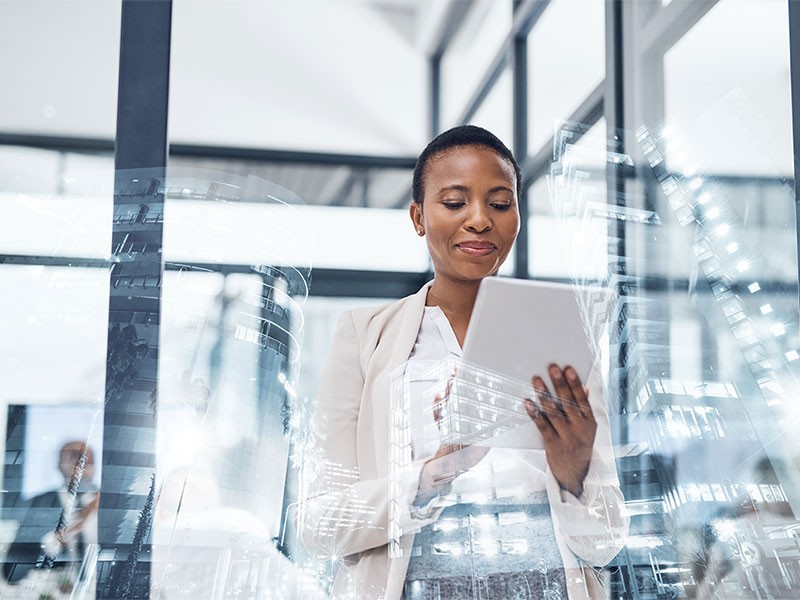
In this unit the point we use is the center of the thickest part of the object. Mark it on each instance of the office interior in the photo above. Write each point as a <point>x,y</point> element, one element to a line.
<point>194,191</point>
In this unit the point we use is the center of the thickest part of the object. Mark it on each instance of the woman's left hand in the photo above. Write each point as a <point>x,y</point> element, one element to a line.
<point>568,426</point>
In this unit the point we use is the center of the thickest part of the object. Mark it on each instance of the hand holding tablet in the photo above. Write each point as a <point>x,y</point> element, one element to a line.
<point>519,329</point>
<point>568,427</point>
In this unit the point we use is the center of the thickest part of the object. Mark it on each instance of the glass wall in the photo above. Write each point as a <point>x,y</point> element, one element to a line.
<point>62,68</point>
<point>187,412</point>
<point>470,54</point>
<point>566,61</point>
<point>59,65</point>
<point>355,82</point>
<point>713,355</point>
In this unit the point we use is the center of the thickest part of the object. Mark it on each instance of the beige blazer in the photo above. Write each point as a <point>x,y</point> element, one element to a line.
<point>343,513</point>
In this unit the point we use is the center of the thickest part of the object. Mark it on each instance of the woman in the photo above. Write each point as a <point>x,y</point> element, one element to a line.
<point>466,188</point>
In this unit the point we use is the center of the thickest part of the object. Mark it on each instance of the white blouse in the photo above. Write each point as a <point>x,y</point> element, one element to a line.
<point>504,476</point>
<point>436,341</point>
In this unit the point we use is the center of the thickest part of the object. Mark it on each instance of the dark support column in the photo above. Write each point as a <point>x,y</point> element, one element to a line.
<point>128,478</point>
<point>141,140</point>
<point>794,58</point>
<point>614,94</point>
<point>615,112</point>
<point>614,109</point>
<point>520,110</point>
<point>436,94</point>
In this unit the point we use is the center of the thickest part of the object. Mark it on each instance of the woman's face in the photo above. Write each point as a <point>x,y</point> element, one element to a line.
<point>469,213</point>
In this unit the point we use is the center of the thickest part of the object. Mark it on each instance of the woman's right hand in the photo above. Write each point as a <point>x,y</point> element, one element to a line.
<point>449,461</point>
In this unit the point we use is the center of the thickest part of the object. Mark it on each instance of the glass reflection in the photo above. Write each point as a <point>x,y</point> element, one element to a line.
<point>703,456</point>
<point>703,446</point>
<point>51,491</point>
<point>231,336</point>
<point>222,344</point>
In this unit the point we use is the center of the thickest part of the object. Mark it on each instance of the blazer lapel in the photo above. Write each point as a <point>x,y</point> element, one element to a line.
<point>410,320</point>
<point>406,331</point>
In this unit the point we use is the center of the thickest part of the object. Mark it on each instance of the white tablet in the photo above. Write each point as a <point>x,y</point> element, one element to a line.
<point>519,327</point>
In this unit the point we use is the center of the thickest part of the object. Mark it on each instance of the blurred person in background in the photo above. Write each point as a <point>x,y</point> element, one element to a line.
<point>58,524</point>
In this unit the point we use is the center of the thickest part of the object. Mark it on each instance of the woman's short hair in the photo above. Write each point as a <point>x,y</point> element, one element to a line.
<point>457,137</point>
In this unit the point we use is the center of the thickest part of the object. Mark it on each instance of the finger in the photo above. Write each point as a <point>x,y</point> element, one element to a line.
<point>546,400</point>
<point>543,394</point>
<point>561,389</point>
<point>540,419</point>
<point>453,373</point>
<point>574,409</point>
<point>448,389</point>
<point>588,412</point>
<point>440,417</point>
<point>581,395</point>
<point>531,409</point>
<point>440,402</point>
<point>540,386</point>
<point>556,417</point>
<point>549,412</point>
<point>586,406</point>
<point>437,408</point>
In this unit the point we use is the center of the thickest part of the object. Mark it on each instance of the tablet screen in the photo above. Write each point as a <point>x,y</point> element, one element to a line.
<point>519,327</point>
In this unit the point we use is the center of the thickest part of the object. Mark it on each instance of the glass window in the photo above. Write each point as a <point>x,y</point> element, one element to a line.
<point>708,290</point>
<point>274,227</point>
<point>562,248</point>
<point>470,54</point>
<point>496,111</point>
<point>53,316</point>
<point>29,169</point>
<point>315,184</point>
<point>727,117</point>
<point>378,239</point>
<point>56,203</point>
<point>61,61</point>
<point>566,61</point>
<point>739,75</point>
<point>54,326</point>
<point>689,297</point>
<point>306,75</point>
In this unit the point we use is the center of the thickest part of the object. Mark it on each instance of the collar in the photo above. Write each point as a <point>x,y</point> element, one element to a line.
<point>409,326</point>
<point>445,329</point>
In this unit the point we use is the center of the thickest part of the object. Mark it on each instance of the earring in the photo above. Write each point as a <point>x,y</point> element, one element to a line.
<point>420,231</point>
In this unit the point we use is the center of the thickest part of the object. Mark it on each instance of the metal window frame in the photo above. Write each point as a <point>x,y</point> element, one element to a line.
<point>106,146</point>
<point>140,147</point>
<point>794,67</point>
<point>520,142</point>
